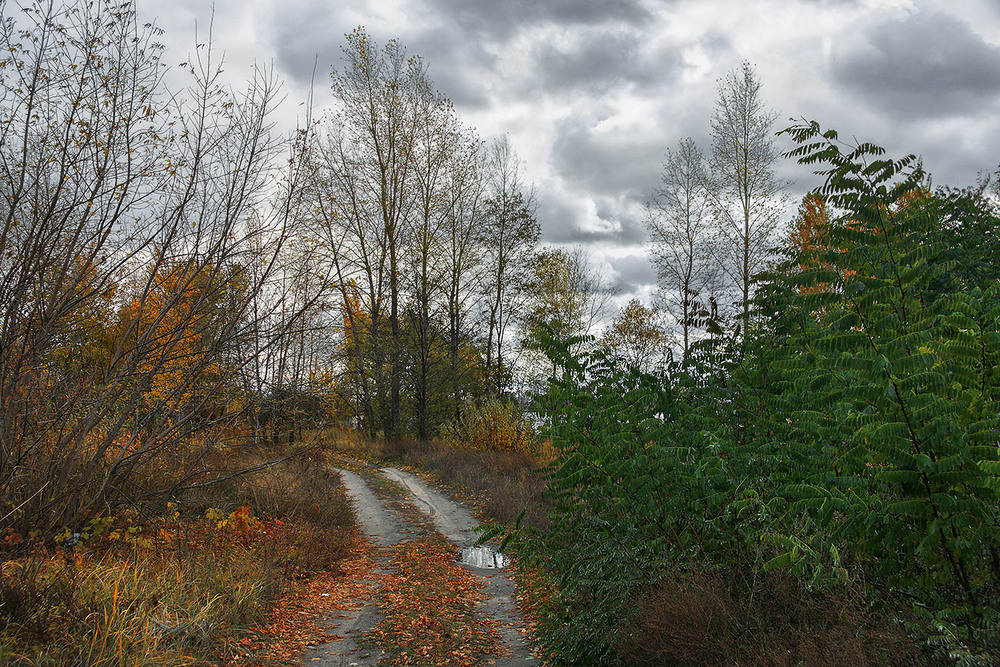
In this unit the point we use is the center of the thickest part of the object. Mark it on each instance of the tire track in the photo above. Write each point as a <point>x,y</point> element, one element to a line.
<point>457,524</point>
<point>386,527</point>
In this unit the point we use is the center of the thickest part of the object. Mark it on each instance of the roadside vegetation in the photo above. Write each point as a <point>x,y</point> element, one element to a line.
<point>197,582</point>
<point>818,486</point>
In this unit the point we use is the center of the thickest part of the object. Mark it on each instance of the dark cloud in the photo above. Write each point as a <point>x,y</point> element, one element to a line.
<point>607,163</point>
<point>307,39</point>
<point>577,218</point>
<point>314,35</point>
<point>459,68</point>
<point>599,61</point>
<point>925,65</point>
<point>500,20</point>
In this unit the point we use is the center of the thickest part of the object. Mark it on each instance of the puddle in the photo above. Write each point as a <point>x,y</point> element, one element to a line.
<point>484,557</point>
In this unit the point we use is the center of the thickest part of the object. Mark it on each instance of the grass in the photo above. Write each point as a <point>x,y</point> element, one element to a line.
<point>185,587</point>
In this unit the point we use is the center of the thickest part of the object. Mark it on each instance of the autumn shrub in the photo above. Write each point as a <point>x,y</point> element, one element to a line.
<point>144,603</point>
<point>725,618</point>
<point>495,424</point>
<point>347,441</point>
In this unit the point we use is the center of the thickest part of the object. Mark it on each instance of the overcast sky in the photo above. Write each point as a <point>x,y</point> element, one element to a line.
<point>592,92</point>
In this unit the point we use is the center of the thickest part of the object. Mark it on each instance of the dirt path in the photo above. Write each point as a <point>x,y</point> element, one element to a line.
<point>386,527</point>
<point>457,524</point>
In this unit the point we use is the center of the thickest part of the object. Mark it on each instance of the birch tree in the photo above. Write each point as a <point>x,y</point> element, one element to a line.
<point>510,235</point>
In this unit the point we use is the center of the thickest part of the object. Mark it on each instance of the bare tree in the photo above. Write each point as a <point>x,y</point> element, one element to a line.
<point>367,193</point>
<point>679,220</point>
<point>125,237</point>
<point>746,193</point>
<point>464,261</point>
<point>510,235</point>
<point>441,152</point>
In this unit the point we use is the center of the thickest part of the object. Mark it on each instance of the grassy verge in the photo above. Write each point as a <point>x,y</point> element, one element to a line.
<point>500,484</point>
<point>197,584</point>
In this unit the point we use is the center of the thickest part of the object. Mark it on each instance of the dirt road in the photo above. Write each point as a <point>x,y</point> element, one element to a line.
<point>382,521</point>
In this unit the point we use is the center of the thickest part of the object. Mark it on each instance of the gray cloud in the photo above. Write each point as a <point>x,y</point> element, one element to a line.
<point>575,218</point>
<point>611,163</point>
<point>599,61</point>
<point>925,65</point>
<point>500,20</point>
<point>310,37</point>
<point>459,68</point>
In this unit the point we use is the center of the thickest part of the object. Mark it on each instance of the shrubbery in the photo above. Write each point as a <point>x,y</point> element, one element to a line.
<point>497,424</point>
<point>846,443</point>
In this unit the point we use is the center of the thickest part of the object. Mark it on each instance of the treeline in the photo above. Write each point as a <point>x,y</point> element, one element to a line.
<point>177,277</point>
<point>818,479</point>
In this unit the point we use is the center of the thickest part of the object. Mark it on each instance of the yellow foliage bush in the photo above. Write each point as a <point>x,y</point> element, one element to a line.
<point>492,425</point>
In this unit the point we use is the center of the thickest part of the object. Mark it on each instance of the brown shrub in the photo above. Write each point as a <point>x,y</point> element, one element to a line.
<point>714,619</point>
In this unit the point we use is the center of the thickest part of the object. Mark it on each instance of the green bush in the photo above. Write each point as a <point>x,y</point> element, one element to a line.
<point>847,439</point>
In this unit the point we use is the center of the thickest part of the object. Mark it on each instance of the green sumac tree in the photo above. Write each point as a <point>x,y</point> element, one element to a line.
<point>887,387</point>
<point>628,495</point>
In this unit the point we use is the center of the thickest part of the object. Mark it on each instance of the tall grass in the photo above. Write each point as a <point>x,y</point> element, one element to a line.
<point>178,589</point>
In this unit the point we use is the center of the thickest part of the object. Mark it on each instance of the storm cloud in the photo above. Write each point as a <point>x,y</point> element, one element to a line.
<point>593,92</point>
<point>928,64</point>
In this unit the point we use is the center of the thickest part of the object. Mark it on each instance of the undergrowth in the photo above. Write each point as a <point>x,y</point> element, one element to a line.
<point>179,588</point>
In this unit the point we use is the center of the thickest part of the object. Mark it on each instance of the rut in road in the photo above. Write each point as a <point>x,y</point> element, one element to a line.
<point>385,527</point>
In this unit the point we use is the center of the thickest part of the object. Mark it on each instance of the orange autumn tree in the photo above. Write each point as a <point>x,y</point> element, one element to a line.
<point>364,357</point>
<point>173,331</point>
<point>809,235</point>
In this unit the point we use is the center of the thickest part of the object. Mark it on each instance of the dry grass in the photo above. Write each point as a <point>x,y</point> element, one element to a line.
<point>179,588</point>
<point>502,484</point>
<point>709,620</point>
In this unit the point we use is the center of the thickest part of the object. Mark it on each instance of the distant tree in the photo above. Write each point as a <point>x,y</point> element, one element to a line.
<point>509,236</point>
<point>565,297</point>
<point>638,337</point>
<point>746,194</point>
<point>564,294</point>
<point>679,222</point>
